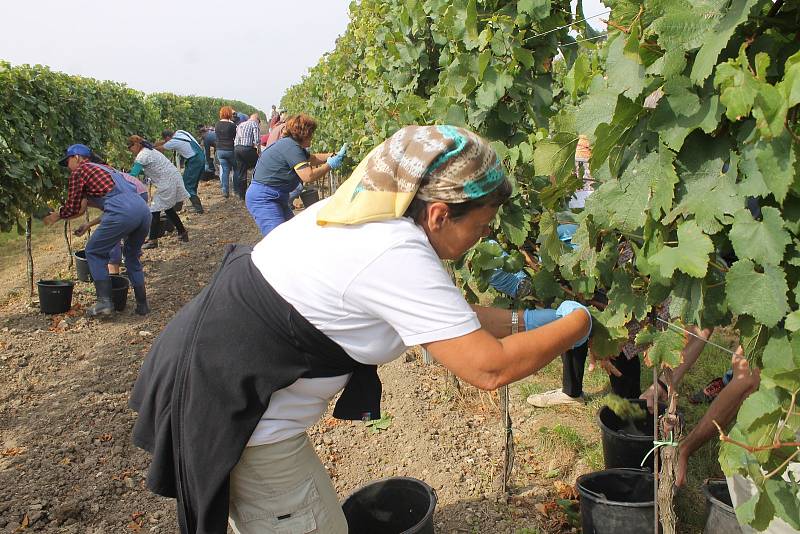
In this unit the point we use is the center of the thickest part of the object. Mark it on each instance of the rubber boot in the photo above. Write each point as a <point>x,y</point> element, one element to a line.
<point>141,300</point>
<point>196,204</point>
<point>104,307</point>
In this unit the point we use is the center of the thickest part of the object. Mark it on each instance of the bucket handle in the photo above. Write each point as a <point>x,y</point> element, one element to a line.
<point>603,497</point>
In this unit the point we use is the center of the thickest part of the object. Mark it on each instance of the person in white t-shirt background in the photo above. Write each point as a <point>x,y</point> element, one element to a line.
<point>368,277</point>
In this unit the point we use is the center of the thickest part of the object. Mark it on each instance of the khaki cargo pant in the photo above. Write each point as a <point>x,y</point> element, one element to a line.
<point>283,488</point>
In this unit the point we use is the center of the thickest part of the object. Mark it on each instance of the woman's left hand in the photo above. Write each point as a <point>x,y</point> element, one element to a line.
<point>82,229</point>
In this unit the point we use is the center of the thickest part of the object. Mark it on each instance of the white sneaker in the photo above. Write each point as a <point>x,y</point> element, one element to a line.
<point>554,397</point>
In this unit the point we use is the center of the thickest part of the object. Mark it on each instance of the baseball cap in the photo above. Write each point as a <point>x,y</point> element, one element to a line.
<point>75,150</point>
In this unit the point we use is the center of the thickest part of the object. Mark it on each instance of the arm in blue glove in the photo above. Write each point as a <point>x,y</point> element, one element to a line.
<point>569,306</point>
<point>336,161</point>
<point>536,317</point>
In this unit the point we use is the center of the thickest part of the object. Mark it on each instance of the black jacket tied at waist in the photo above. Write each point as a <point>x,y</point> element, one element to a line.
<point>208,380</point>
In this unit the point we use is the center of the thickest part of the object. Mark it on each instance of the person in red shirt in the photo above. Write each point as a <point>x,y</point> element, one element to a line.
<point>126,217</point>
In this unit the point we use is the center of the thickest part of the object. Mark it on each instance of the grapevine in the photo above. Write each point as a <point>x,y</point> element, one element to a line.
<point>692,112</point>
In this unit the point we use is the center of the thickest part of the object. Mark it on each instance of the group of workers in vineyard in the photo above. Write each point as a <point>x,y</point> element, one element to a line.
<point>367,284</point>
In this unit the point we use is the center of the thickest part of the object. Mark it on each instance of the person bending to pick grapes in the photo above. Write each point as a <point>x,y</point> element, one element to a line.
<point>125,217</point>
<point>372,285</point>
<point>169,187</point>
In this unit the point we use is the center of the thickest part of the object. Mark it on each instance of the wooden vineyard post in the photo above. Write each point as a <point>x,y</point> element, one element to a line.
<point>670,430</point>
<point>68,242</point>
<point>508,446</point>
<point>29,252</point>
<point>655,452</point>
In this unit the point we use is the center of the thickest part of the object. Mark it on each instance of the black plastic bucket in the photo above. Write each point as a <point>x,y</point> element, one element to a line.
<point>626,443</point>
<point>309,196</point>
<point>720,517</point>
<point>82,266</point>
<point>55,296</point>
<point>617,501</point>
<point>396,505</point>
<point>119,291</point>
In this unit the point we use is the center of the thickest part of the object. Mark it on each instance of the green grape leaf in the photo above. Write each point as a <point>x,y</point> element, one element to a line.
<point>762,407</point>
<point>687,299</point>
<point>776,160</point>
<point>609,136</point>
<point>793,321</point>
<point>781,361</point>
<point>762,241</point>
<point>769,110</point>
<point>710,199</point>
<point>713,44</point>
<point>763,295</point>
<point>551,246</point>
<point>753,337</point>
<point>628,76</point>
<point>492,88</point>
<point>515,222</point>
<point>673,127</point>
<point>790,86</point>
<point>624,300</point>
<point>666,346</point>
<point>606,341</point>
<point>738,87</point>
<point>545,286</point>
<point>690,256</point>
<point>537,9</point>
<point>757,512</point>
<point>471,26</point>
<point>784,496</point>
<point>596,108</point>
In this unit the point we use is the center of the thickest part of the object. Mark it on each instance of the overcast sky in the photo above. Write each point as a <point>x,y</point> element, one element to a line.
<point>248,50</point>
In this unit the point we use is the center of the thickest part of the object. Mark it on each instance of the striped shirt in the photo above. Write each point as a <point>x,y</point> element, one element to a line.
<point>248,133</point>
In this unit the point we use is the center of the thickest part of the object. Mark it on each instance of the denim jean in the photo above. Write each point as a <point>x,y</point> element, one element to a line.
<point>226,163</point>
<point>268,206</point>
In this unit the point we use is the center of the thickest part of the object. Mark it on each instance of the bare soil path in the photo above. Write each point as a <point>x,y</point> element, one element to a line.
<point>67,463</point>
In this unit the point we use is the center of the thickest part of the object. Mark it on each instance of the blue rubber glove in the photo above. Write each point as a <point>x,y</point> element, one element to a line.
<point>335,161</point>
<point>509,283</point>
<point>512,284</point>
<point>565,233</point>
<point>342,151</point>
<point>536,317</point>
<point>569,306</point>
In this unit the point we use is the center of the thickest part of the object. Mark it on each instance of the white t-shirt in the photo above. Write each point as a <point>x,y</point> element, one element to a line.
<point>375,289</point>
<point>181,144</point>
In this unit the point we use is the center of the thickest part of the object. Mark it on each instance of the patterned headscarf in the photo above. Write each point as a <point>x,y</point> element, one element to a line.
<point>455,165</point>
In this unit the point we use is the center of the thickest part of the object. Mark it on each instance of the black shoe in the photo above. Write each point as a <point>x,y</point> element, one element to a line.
<point>178,206</point>
<point>104,307</point>
<point>197,206</point>
<point>184,236</point>
<point>141,300</point>
<point>225,194</point>
<point>151,243</point>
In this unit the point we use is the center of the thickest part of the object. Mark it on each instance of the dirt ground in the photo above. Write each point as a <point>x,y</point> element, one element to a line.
<point>66,459</point>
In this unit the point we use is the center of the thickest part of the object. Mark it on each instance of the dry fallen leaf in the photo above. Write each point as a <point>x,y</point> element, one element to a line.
<point>14,451</point>
<point>564,490</point>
